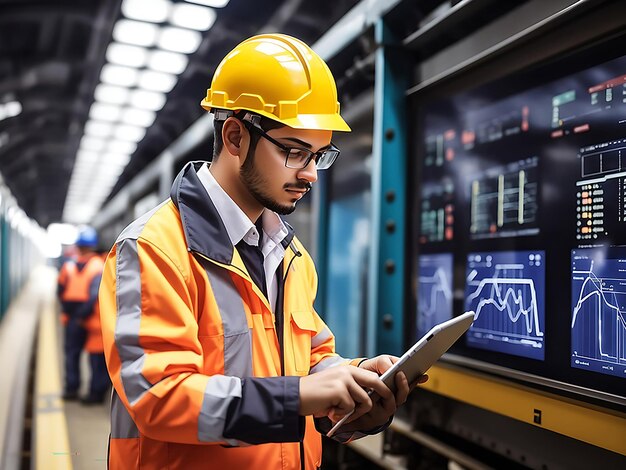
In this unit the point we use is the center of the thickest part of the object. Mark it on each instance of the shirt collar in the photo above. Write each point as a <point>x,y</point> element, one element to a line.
<point>238,225</point>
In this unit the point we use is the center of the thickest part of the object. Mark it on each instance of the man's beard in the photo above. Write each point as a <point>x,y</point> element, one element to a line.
<point>255,183</point>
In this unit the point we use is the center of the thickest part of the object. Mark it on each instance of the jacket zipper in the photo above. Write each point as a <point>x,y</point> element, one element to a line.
<point>279,315</point>
<point>281,293</point>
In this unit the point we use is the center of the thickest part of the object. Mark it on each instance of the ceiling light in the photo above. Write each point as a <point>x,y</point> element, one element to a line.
<point>120,146</point>
<point>92,143</point>
<point>135,32</point>
<point>154,11</point>
<point>192,16</point>
<point>147,100</point>
<point>118,75</point>
<point>104,112</point>
<point>83,176</point>
<point>79,184</point>
<point>138,117</point>
<point>102,186</point>
<point>156,81</point>
<point>84,173</point>
<point>12,108</point>
<point>124,54</point>
<point>210,3</point>
<point>98,129</point>
<point>179,40</point>
<point>85,156</point>
<point>82,164</point>
<point>129,133</point>
<point>168,62</point>
<point>64,233</point>
<point>111,171</point>
<point>119,159</point>
<point>111,94</point>
<point>78,214</point>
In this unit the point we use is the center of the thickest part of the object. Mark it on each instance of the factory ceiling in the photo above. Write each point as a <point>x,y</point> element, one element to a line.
<point>51,58</point>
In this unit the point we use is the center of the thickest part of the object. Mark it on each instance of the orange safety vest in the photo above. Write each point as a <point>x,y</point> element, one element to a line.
<point>75,285</point>
<point>67,271</point>
<point>76,281</point>
<point>192,347</point>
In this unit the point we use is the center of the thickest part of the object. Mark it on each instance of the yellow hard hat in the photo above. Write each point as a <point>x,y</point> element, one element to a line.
<point>279,77</point>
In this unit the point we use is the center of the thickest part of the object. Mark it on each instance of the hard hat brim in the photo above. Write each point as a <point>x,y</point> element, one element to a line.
<point>325,122</point>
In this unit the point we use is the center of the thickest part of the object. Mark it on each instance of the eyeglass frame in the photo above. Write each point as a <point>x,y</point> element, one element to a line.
<point>252,121</point>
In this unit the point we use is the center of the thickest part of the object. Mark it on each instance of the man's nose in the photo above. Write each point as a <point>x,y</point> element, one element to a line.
<point>309,172</point>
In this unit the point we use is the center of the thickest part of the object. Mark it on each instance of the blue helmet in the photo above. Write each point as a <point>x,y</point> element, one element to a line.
<point>87,237</point>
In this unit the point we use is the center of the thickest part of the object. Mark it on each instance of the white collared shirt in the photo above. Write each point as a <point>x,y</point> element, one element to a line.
<point>240,227</point>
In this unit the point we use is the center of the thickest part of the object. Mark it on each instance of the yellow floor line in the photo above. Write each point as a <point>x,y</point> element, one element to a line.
<point>51,440</point>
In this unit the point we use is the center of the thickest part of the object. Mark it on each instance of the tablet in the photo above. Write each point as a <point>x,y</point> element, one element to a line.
<point>423,354</point>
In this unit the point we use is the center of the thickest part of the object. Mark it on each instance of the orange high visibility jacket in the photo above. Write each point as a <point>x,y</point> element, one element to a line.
<point>78,284</point>
<point>201,378</point>
<point>68,269</point>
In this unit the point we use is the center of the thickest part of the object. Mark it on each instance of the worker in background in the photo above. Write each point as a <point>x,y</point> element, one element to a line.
<point>67,267</point>
<point>100,382</point>
<point>79,281</point>
<point>217,356</point>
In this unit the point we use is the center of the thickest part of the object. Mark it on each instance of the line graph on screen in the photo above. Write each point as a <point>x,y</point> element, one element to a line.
<point>434,303</point>
<point>506,290</point>
<point>599,310</point>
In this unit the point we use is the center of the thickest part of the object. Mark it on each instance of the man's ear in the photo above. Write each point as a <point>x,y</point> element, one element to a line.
<point>232,135</point>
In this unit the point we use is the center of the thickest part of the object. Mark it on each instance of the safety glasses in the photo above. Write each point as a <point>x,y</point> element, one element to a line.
<point>296,157</point>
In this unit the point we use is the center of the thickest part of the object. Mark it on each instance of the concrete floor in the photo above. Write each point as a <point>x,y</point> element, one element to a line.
<point>88,428</point>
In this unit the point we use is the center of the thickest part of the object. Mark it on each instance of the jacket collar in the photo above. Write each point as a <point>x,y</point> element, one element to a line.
<point>204,229</point>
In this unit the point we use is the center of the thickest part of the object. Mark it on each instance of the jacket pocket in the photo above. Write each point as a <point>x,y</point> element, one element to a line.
<point>302,330</point>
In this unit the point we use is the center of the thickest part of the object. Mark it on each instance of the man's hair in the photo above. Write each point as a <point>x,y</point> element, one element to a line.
<point>266,124</point>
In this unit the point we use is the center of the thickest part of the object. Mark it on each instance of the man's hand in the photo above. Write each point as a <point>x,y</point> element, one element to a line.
<point>336,391</point>
<point>383,408</point>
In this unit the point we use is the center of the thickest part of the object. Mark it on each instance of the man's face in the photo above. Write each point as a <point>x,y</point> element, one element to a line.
<point>266,177</point>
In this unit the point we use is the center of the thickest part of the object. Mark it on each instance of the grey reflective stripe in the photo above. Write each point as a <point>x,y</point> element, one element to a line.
<point>135,228</point>
<point>219,393</point>
<point>237,337</point>
<point>128,292</point>
<point>321,337</point>
<point>328,362</point>
<point>122,425</point>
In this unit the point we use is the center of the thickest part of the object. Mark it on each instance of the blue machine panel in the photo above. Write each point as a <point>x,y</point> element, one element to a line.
<point>346,281</point>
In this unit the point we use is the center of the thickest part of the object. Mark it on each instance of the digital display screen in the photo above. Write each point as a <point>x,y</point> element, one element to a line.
<point>435,291</point>
<point>519,214</point>
<point>506,292</point>
<point>599,310</point>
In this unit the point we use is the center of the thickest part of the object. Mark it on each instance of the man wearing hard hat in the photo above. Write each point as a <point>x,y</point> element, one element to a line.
<point>78,285</point>
<point>217,356</point>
